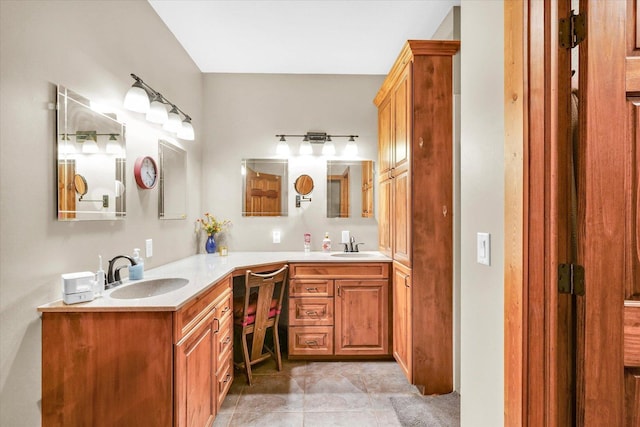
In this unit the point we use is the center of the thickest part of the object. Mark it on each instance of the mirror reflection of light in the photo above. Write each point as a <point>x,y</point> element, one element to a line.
<point>243,170</point>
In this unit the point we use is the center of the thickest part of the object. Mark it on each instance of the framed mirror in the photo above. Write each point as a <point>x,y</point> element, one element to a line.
<point>264,187</point>
<point>172,197</point>
<point>350,189</point>
<point>91,161</point>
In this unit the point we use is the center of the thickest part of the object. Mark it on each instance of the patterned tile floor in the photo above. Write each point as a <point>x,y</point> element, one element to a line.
<point>310,394</point>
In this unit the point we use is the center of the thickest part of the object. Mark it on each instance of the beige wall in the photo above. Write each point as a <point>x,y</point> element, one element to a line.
<point>482,189</point>
<point>90,47</point>
<point>244,113</point>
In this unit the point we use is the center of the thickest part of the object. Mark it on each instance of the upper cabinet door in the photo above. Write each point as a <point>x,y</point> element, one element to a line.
<point>402,120</point>
<point>385,133</point>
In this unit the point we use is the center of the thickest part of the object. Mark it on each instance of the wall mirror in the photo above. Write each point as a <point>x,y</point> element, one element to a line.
<point>172,197</point>
<point>350,189</point>
<point>264,187</point>
<point>91,161</point>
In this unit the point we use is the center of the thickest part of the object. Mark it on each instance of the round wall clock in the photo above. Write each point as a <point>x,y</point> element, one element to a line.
<point>146,172</point>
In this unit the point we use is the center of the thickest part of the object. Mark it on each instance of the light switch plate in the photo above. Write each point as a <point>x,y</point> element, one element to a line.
<point>148,248</point>
<point>484,249</point>
<point>276,236</point>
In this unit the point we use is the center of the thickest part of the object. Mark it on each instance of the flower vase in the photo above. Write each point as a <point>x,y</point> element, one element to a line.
<point>210,244</point>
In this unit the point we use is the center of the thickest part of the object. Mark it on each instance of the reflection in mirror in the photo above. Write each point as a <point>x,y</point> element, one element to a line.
<point>172,200</point>
<point>350,189</point>
<point>91,161</point>
<point>264,187</point>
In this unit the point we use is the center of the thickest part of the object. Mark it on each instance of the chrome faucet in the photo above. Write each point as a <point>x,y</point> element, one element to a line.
<point>349,247</point>
<point>113,277</point>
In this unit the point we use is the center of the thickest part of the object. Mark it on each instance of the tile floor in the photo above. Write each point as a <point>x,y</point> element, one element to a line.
<point>314,394</point>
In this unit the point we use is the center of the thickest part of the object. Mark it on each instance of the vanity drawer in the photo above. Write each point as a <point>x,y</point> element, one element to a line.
<point>310,288</point>
<point>199,307</point>
<point>310,311</point>
<point>225,340</point>
<point>369,270</point>
<point>224,379</point>
<point>224,307</point>
<point>311,340</point>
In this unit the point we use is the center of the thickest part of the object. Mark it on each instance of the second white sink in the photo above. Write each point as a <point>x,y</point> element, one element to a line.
<point>148,288</point>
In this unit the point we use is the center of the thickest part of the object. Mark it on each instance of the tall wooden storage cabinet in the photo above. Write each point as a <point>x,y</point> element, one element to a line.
<point>415,161</point>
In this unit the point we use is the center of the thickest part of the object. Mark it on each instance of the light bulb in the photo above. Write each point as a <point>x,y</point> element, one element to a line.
<point>174,122</point>
<point>305,148</point>
<point>329,148</point>
<point>282,149</point>
<point>186,130</point>
<point>137,99</point>
<point>351,150</point>
<point>157,112</point>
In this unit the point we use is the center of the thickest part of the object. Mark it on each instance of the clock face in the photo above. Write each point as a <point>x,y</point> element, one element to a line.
<point>146,172</point>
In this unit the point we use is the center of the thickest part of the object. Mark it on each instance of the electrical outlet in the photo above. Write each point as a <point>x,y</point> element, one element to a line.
<point>148,248</point>
<point>276,236</point>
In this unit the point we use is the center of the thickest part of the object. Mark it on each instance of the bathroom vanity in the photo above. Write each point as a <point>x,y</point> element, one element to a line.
<point>167,359</point>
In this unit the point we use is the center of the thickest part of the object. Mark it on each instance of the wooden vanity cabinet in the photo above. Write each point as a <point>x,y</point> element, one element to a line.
<point>339,310</point>
<point>155,368</point>
<point>415,225</point>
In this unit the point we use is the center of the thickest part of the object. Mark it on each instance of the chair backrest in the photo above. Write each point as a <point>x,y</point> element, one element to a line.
<point>267,304</point>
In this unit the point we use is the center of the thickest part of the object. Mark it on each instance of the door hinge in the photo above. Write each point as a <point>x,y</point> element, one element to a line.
<point>571,279</point>
<point>572,30</point>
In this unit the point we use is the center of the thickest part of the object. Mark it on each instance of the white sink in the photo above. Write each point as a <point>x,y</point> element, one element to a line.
<point>148,288</point>
<point>352,255</point>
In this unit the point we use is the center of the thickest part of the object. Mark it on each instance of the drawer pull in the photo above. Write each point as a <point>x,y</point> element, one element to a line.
<point>311,342</point>
<point>312,289</point>
<point>311,313</point>
<point>224,310</point>
<point>227,340</point>
<point>227,378</point>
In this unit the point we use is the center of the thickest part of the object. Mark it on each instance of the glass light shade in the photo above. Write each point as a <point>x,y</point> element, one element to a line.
<point>186,130</point>
<point>113,146</point>
<point>137,99</point>
<point>282,149</point>
<point>89,146</point>
<point>157,112</point>
<point>174,121</point>
<point>305,148</point>
<point>329,149</point>
<point>351,150</point>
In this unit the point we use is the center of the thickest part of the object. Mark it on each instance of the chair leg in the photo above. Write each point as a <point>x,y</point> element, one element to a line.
<point>276,347</point>
<point>247,360</point>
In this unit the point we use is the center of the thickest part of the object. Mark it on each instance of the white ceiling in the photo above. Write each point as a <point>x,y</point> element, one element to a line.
<point>299,36</point>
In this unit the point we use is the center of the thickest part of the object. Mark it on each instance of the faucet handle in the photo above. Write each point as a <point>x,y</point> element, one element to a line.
<point>357,249</point>
<point>346,247</point>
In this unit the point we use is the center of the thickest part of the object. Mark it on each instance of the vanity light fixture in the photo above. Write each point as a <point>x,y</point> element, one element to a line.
<point>328,147</point>
<point>113,146</point>
<point>142,98</point>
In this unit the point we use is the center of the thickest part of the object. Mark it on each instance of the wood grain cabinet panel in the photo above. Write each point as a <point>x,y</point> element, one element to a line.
<point>402,326</point>
<point>311,311</point>
<point>311,340</point>
<point>415,206</point>
<point>310,288</point>
<point>362,317</point>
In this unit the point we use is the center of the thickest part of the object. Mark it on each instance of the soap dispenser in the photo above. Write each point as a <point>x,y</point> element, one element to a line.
<point>136,272</point>
<point>326,243</point>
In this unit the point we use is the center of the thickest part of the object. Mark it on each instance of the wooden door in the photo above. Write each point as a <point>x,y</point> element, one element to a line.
<point>196,384</point>
<point>401,318</point>
<point>564,353</point>
<point>385,133</point>
<point>402,114</point>
<point>362,317</point>
<point>66,189</point>
<point>401,205</point>
<point>367,189</point>
<point>263,194</point>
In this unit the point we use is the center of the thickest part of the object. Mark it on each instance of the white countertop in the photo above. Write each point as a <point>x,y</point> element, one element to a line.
<point>202,271</point>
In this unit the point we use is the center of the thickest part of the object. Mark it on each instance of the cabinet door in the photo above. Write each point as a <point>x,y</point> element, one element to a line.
<point>401,120</point>
<point>362,317</point>
<point>385,132</point>
<point>384,217</point>
<point>401,231</point>
<point>195,376</point>
<point>402,318</point>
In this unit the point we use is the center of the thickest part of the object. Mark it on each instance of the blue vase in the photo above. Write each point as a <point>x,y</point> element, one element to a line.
<point>210,244</point>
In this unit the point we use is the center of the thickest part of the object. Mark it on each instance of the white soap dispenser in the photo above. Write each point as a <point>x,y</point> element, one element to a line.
<point>326,243</point>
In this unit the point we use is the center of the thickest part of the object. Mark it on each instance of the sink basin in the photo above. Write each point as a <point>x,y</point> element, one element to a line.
<point>148,288</point>
<point>352,255</point>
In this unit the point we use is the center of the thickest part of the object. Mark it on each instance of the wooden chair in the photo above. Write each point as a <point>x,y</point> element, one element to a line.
<point>256,312</point>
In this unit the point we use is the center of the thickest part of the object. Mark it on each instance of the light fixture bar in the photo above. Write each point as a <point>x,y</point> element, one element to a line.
<point>316,137</point>
<point>187,131</point>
